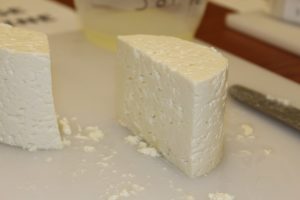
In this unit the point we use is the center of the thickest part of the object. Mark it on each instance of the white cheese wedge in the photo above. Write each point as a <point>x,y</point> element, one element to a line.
<point>27,115</point>
<point>172,93</point>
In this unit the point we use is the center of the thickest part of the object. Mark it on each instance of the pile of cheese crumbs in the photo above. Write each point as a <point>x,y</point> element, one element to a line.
<point>89,133</point>
<point>93,133</point>
<point>141,146</point>
<point>248,132</point>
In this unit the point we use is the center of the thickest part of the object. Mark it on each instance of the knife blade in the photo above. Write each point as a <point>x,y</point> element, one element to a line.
<point>276,108</point>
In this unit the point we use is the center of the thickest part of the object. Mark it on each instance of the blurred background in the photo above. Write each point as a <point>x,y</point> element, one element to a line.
<point>265,32</point>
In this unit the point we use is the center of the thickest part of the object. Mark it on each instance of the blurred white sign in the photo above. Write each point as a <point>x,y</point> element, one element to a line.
<point>141,4</point>
<point>46,16</point>
<point>291,11</point>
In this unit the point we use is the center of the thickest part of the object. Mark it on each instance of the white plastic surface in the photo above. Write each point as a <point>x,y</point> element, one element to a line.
<point>267,28</point>
<point>84,86</point>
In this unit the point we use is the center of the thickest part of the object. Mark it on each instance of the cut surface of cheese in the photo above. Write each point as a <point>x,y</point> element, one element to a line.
<point>172,93</point>
<point>27,113</point>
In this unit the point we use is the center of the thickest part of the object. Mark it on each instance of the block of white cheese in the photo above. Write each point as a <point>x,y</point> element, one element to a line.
<point>27,114</point>
<point>172,93</point>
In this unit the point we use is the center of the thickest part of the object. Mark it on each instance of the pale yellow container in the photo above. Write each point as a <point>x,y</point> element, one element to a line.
<point>103,20</point>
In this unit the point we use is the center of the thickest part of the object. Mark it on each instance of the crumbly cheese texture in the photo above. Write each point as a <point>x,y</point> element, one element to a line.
<point>27,114</point>
<point>172,93</point>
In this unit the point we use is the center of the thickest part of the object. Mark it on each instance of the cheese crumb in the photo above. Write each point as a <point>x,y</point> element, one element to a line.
<point>65,126</point>
<point>220,196</point>
<point>131,189</point>
<point>142,147</point>
<point>94,133</point>
<point>149,151</point>
<point>248,130</point>
<point>132,139</point>
<point>81,137</point>
<point>267,151</point>
<point>90,133</point>
<point>89,149</point>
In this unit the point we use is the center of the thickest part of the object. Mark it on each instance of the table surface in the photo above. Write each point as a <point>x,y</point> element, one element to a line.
<point>259,165</point>
<point>213,30</point>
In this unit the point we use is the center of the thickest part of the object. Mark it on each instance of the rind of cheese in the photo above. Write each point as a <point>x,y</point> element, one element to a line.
<point>22,40</point>
<point>27,113</point>
<point>172,93</point>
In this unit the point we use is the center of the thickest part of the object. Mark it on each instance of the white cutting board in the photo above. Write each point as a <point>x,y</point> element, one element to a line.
<point>84,86</point>
<point>268,29</point>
